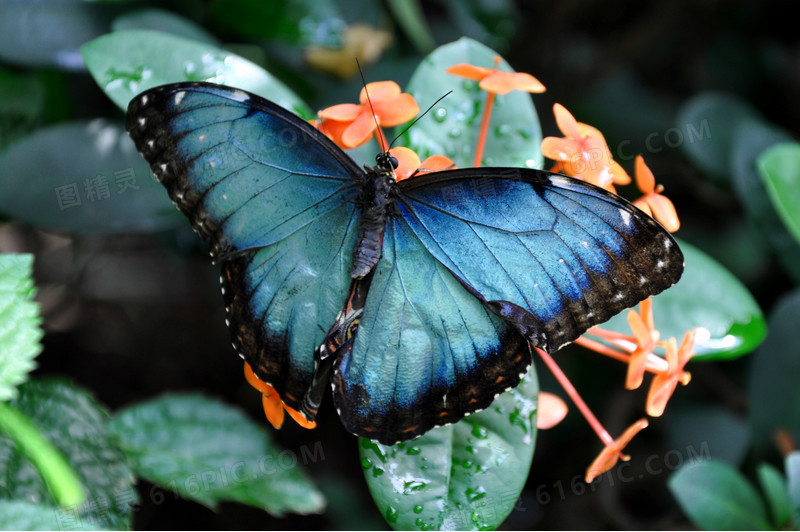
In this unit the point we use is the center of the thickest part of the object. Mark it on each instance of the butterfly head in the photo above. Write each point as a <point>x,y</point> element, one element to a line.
<point>386,162</point>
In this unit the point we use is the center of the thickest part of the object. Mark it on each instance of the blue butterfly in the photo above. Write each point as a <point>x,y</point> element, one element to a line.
<point>416,300</point>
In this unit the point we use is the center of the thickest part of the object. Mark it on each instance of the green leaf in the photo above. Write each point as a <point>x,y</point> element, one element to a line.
<point>453,125</point>
<point>715,117</point>
<point>707,296</point>
<point>301,22</point>
<point>776,492</point>
<point>23,515</point>
<point>208,452</point>
<point>780,170</point>
<point>126,63</point>
<point>465,476</point>
<point>716,496</point>
<point>793,476</point>
<point>773,394</point>
<point>20,324</point>
<point>48,34</point>
<point>83,177</point>
<point>751,140</point>
<point>71,420</point>
<point>163,21</point>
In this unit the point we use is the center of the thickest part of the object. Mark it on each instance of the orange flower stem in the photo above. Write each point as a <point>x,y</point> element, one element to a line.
<point>487,114</point>
<point>598,428</point>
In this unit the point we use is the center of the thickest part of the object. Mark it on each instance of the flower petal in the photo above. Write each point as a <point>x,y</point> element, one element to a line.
<point>552,409</point>
<point>619,175</point>
<point>465,70</point>
<point>436,163</point>
<point>566,122</point>
<point>379,91</point>
<point>300,419</point>
<point>644,177</point>
<point>408,162</point>
<point>611,453</point>
<point>396,110</point>
<point>360,130</point>
<point>342,112</point>
<point>561,149</point>
<point>273,408</point>
<point>254,381</point>
<point>500,82</point>
<point>638,361</point>
<point>664,211</point>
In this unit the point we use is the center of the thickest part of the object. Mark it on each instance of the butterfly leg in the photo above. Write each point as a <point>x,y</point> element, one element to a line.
<point>338,340</point>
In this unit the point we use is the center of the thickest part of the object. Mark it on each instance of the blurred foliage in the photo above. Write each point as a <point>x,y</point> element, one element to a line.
<point>130,307</point>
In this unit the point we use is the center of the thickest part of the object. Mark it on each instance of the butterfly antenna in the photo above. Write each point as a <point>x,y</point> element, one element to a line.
<point>420,116</point>
<point>381,139</point>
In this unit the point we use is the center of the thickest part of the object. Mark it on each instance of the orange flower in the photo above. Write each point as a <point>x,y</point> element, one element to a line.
<point>273,406</point>
<point>494,82</point>
<point>409,163</point>
<point>552,409</point>
<point>646,336</point>
<point>664,383</point>
<point>611,453</point>
<point>583,152</point>
<point>653,203</point>
<point>354,124</point>
<point>497,81</point>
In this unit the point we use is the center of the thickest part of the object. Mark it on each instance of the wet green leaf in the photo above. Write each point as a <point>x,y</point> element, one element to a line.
<point>126,63</point>
<point>452,127</point>
<point>24,515</point>
<point>467,476</point>
<point>776,492</point>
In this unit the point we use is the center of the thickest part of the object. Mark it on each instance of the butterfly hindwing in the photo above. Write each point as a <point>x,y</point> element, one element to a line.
<point>426,352</point>
<point>275,199</point>
<point>551,254</point>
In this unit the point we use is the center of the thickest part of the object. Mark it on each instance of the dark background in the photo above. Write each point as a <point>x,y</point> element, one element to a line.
<point>132,316</point>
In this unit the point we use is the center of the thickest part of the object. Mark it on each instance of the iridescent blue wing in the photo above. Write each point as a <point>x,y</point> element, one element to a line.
<point>275,199</point>
<point>550,254</point>
<point>426,351</point>
<point>475,264</point>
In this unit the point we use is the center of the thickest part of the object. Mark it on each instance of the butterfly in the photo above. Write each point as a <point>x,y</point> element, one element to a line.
<point>417,301</point>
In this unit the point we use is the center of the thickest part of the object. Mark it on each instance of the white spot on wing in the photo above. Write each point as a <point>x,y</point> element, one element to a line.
<point>179,97</point>
<point>142,120</point>
<point>626,217</point>
<point>240,96</point>
<point>144,99</point>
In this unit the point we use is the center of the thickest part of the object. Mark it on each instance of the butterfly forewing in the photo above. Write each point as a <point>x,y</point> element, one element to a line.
<point>275,199</point>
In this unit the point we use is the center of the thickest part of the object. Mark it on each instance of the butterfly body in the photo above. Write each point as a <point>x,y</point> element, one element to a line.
<point>417,300</point>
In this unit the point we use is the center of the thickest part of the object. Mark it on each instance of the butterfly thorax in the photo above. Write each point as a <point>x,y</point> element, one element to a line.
<point>375,200</point>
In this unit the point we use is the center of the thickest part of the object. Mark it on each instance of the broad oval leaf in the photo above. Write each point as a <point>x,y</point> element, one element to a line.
<point>84,177</point>
<point>709,297</point>
<point>751,140</point>
<point>209,452</point>
<point>780,170</point>
<point>70,419</point>
<point>716,496</point>
<point>126,63</point>
<point>465,476</point>
<point>453,125</point>
<point>20,324</point>
<point>773,394</point>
